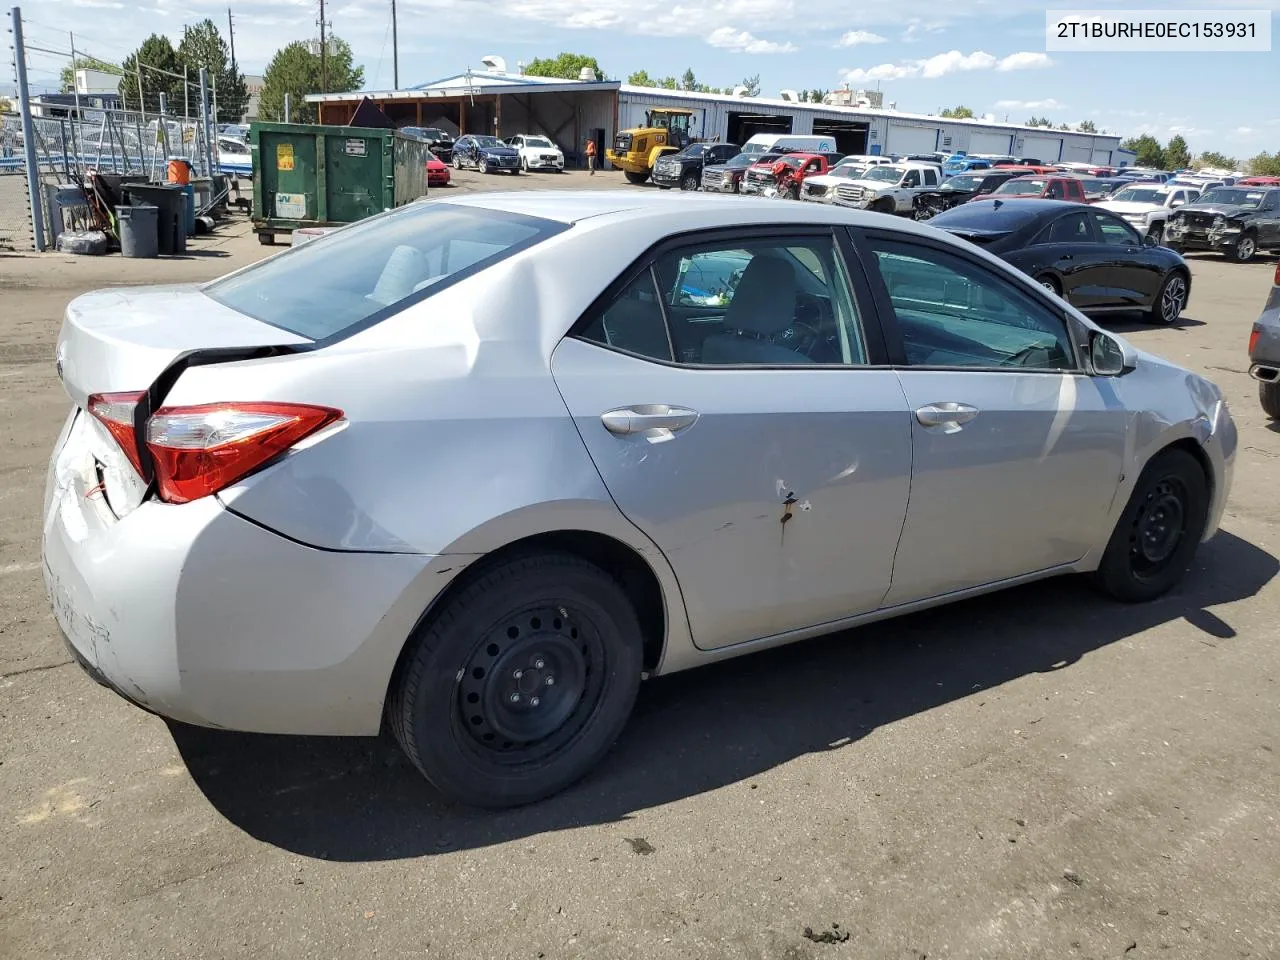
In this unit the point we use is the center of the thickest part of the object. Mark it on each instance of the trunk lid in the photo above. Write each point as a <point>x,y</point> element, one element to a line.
<point>124,338</point>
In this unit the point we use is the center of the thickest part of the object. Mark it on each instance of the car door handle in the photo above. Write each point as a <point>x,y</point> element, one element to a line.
<point>949,415</point>
<point>656,422</point>
<point>1067,256</point>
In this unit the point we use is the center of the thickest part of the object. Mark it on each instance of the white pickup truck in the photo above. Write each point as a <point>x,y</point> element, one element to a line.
<point>890,188</point>
<point>1146,206</point>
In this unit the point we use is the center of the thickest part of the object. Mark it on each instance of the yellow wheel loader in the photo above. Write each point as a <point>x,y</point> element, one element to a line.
<point>635,151</point>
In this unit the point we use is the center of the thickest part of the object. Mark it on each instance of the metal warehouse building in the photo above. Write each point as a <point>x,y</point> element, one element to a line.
<point>497,102</point>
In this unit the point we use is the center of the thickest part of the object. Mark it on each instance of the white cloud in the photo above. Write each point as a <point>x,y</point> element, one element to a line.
<point>740,41</point>
<point>916,26</point>
<point>1244,131</point>
<point>1049,104</point>
<point>1024,60</point>
<point>856,38</point>
<point>942,64</point>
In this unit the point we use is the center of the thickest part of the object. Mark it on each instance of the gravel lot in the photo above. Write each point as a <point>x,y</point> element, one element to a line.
<point>1037,774</point>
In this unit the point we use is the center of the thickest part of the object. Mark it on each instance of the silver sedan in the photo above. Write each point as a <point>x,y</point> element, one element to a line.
<point>479,466</point>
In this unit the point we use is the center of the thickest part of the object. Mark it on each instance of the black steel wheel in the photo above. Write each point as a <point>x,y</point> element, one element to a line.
<point>1159,530</point>
<point>521,682</point>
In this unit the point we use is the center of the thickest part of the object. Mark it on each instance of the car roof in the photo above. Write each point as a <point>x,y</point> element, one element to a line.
<point>1034,204</point>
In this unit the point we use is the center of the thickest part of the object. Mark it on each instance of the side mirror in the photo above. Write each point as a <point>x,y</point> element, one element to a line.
<point>1107,357</point>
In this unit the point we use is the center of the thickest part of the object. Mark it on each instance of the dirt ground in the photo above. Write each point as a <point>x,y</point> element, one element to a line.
<point>1035,774</point>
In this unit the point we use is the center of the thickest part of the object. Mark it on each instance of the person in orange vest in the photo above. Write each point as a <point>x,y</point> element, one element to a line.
<point>591,157</point>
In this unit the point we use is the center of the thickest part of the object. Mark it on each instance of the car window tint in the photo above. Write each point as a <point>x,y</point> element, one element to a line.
<point>1115,232</point>
<point>770,302</point>
<point>952,312</point>
<point>373,268</point>
<point>1073,228</point>
<point>633,321</point>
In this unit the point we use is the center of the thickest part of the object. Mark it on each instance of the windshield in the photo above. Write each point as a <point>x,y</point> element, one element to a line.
<point>849,171</point>
<point>1141,195</point>
<point>537,142</point>
<point>1233,197</point>
<point>372,269</point>
<point>889,174</point>
<point>694,150</point>
<point>966,182</point>
<point>489,142</point>
<point>1025,188</point>
<point>742,160</point>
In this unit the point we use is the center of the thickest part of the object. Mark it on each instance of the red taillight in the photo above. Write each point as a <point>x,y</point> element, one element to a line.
<point>1255,333</point>
<point>1276,278</point>
<point>203,449</point>
<point>117,412</point>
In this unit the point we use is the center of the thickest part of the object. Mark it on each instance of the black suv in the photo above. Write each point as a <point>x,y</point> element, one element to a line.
<point>1238,221</point>
<point>684,169</point>
<point>438,141</point>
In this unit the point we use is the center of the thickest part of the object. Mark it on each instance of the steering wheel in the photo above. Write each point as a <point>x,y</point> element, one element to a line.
<point>800,337</point>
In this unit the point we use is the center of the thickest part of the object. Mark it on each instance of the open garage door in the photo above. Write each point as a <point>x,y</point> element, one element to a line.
<point>992,143</point>
<point>1076,154</point>
<point>1044,149</point>
<point>850,135</point>
<point>906,140</point>
<point>744,126</point>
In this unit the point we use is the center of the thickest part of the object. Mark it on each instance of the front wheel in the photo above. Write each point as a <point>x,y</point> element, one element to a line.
<point>524,164</point>
<point>1159,530</point>
<point>457,162</point>
<point>483,166</point>
<point>1244,249</point>
<point>636,178</point>
<point>1170,301</point>
<point>521,683</point>
<point>689,182</point>
<point>1269,397</point>
<point>883,206</point>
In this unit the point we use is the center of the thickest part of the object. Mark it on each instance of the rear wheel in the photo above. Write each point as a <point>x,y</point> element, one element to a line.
<point>636,178</point>
<point>521,683</point>
<point>1245,248</point>
<point>1050,284</point>
<point>1159,530</point>
<point>267,239</point>
<point>1269,397</point>
<point>1170,301</point>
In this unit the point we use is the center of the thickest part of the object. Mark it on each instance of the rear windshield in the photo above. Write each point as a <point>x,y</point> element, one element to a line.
<point>354,277</point>
<point>985,215</point>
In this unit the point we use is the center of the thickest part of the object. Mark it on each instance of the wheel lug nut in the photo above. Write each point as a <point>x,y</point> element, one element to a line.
<point>518,674</point>
<point>515,698</point>
<point>549,680</point>
<point>534,702</point>
<point>539,664</point>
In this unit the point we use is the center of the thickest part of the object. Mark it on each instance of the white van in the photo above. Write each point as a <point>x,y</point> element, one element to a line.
<point>764,142</point>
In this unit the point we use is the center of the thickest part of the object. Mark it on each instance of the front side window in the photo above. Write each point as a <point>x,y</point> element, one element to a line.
<point>1115,231</point>
<point>374,268</point>
<point>953,312</point>
<point>753,302</point>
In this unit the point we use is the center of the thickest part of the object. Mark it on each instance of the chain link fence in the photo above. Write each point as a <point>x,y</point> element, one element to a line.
<point>15,208</point>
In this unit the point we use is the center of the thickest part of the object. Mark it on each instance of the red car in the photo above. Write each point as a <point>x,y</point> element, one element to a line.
<point>437,172</point>
<point>1043,188</point>
<point>1259,182</point>
<point>1025,168</point>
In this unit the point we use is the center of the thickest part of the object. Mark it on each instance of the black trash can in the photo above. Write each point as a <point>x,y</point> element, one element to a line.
<point>172,223</point>
<point>138,235</point>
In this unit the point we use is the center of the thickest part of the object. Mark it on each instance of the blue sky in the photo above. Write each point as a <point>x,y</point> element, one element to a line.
<point>925,54</point>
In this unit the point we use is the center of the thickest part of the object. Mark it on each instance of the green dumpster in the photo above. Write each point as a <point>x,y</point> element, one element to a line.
<point>308,175</point>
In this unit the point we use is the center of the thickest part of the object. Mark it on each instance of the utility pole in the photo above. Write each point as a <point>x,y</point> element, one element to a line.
<point>324,54</point>
<point>395,50</point>
<point>231,34</point>
<point>28,132</point>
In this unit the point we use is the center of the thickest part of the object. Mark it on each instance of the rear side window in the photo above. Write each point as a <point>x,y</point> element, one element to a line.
<point>353,278</point>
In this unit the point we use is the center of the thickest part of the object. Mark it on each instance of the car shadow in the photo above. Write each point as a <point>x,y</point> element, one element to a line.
<point>360,799</point>
<point>1131,323</point>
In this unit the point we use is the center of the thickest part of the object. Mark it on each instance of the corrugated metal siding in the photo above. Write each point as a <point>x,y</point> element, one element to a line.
<point>1048,149</point>
<point>567,118</point>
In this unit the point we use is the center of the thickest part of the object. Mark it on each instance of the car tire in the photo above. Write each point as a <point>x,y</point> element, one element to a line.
<point>1157,534</point>
<point>1269,397</point>
<point>884,205</point>
<point>636,178</point>
<point>482,165</point>
<point>1244,249</point>
<point>457,162</point>
<point>1050,284</point>
<point>689,182</point>
<point>1170,301</point>
<point>267,239</point>
<point>472,708</point>
<point>524,164</point>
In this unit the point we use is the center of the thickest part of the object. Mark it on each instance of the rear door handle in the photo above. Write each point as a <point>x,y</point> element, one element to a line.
<point>948,414</point>
<point>655,422</point>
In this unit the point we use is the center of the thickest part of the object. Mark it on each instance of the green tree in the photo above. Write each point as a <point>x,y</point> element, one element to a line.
<point>1148,149</point>
<point>669,83</point>
<point>1040,122</point>
<point>1212,158</point>
<point>295,70</point>
<point>1087,126</point>
<point>752,83</point>
<point>957,113</point>
<point>6,105</point>
<point>161,72</point>
<point>687,80</point>
<point>67,79</point>
<point>641,78</point>
<point>1176,154</point>
<point>567,66</point>
<point>1265,164</point>
<point>202,46</point>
